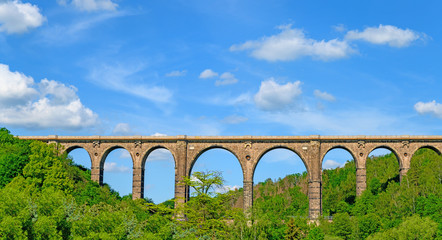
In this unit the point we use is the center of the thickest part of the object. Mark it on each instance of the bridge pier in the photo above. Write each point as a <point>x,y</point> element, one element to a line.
<point>137,183</point>
<point>361,180</point>
<point>402,172</point>
<point>315,199</point>
<point>248,196</point>
<point>181,190</point>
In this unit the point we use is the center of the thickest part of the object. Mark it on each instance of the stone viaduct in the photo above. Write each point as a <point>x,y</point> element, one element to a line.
<point>248,150</point>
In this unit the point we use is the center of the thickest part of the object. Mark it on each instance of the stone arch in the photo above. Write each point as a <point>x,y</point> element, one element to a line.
<point>125,185</point>
<point>109,150</point>
<point>343,147</point>
<point>279,147</point>
<point>151,149</point>
<point>329,201</point>
<point>72,148</point>
<point>392,149</point>
<point>427,146</point>
<point>192,163</point>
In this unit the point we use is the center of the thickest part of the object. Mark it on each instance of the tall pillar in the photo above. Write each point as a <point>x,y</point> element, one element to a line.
<point>404,160</point>
<point>96,168</point>
<point>402,172</point>
<point>315,178</point>
<point>314,197</point>
<point>138,183</point>
<point>248,196</point>
<point>97,174</point>
<point>361,180</point>
<point>181,190</point>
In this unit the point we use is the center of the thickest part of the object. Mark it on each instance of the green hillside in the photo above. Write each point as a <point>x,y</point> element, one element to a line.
<point>46,196</point>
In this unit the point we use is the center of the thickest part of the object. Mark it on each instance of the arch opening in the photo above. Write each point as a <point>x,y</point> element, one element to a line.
<point>80,157</point>
<point>338,181</point>
<point>159,176</point>
<point>280,174</point>
<point>427,148</point>
<point>224,161</point>
<point>382,169</point>
<point>118,170</point>
<point>425,172</point>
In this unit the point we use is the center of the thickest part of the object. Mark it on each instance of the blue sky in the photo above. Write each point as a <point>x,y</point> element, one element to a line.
<point>115,67</point>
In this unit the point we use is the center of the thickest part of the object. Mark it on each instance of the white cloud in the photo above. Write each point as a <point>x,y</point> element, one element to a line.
<point>331,164</point>
<point>385,34</point>
<point>48,104</point>
<point>291,44</point>
<point>226,78</point>
<point>432,108</point>
<point>273,96</point>
<point>18,17</point>
<point>208,73</point>
<point>234,119</point>
<point>176,73</point>
<point>122,129</point>
<point>124,79</point>
<point>91,5</point>
<point>113,167</point>
<point>16,88</point>
<point>324,96</point>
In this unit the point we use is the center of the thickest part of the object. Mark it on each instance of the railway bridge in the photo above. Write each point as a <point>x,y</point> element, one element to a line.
<point>248,150</point>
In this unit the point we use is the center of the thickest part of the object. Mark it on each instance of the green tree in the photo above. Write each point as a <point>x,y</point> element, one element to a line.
<point>413,227</point>
<point>207,211</point>
<point>14,155</point>
<point>203,182</point>
<point>368,224</point>
<point>316,233</point>
<point>342,225</point>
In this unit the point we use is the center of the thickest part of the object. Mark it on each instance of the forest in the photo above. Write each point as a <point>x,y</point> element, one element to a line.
<point>44,195</point>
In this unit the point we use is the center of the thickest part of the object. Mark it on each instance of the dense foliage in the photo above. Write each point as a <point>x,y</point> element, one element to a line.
<point>44,195</point>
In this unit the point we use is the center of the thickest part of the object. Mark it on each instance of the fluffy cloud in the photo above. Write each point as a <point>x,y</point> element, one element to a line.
<point>48,104</point>
<point>324,96</point>
<point>330,164</point>
<point>91,5</point>
<point>113,167</point>
<point>208,73</point>
<point>176,73</point>
<point>18,17</point>
<point>273,96</point>
<point>226,78</point>
<point>432,108</point>
<point>121,78</point>
<point>291,44</point>
<point>385,34</point>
